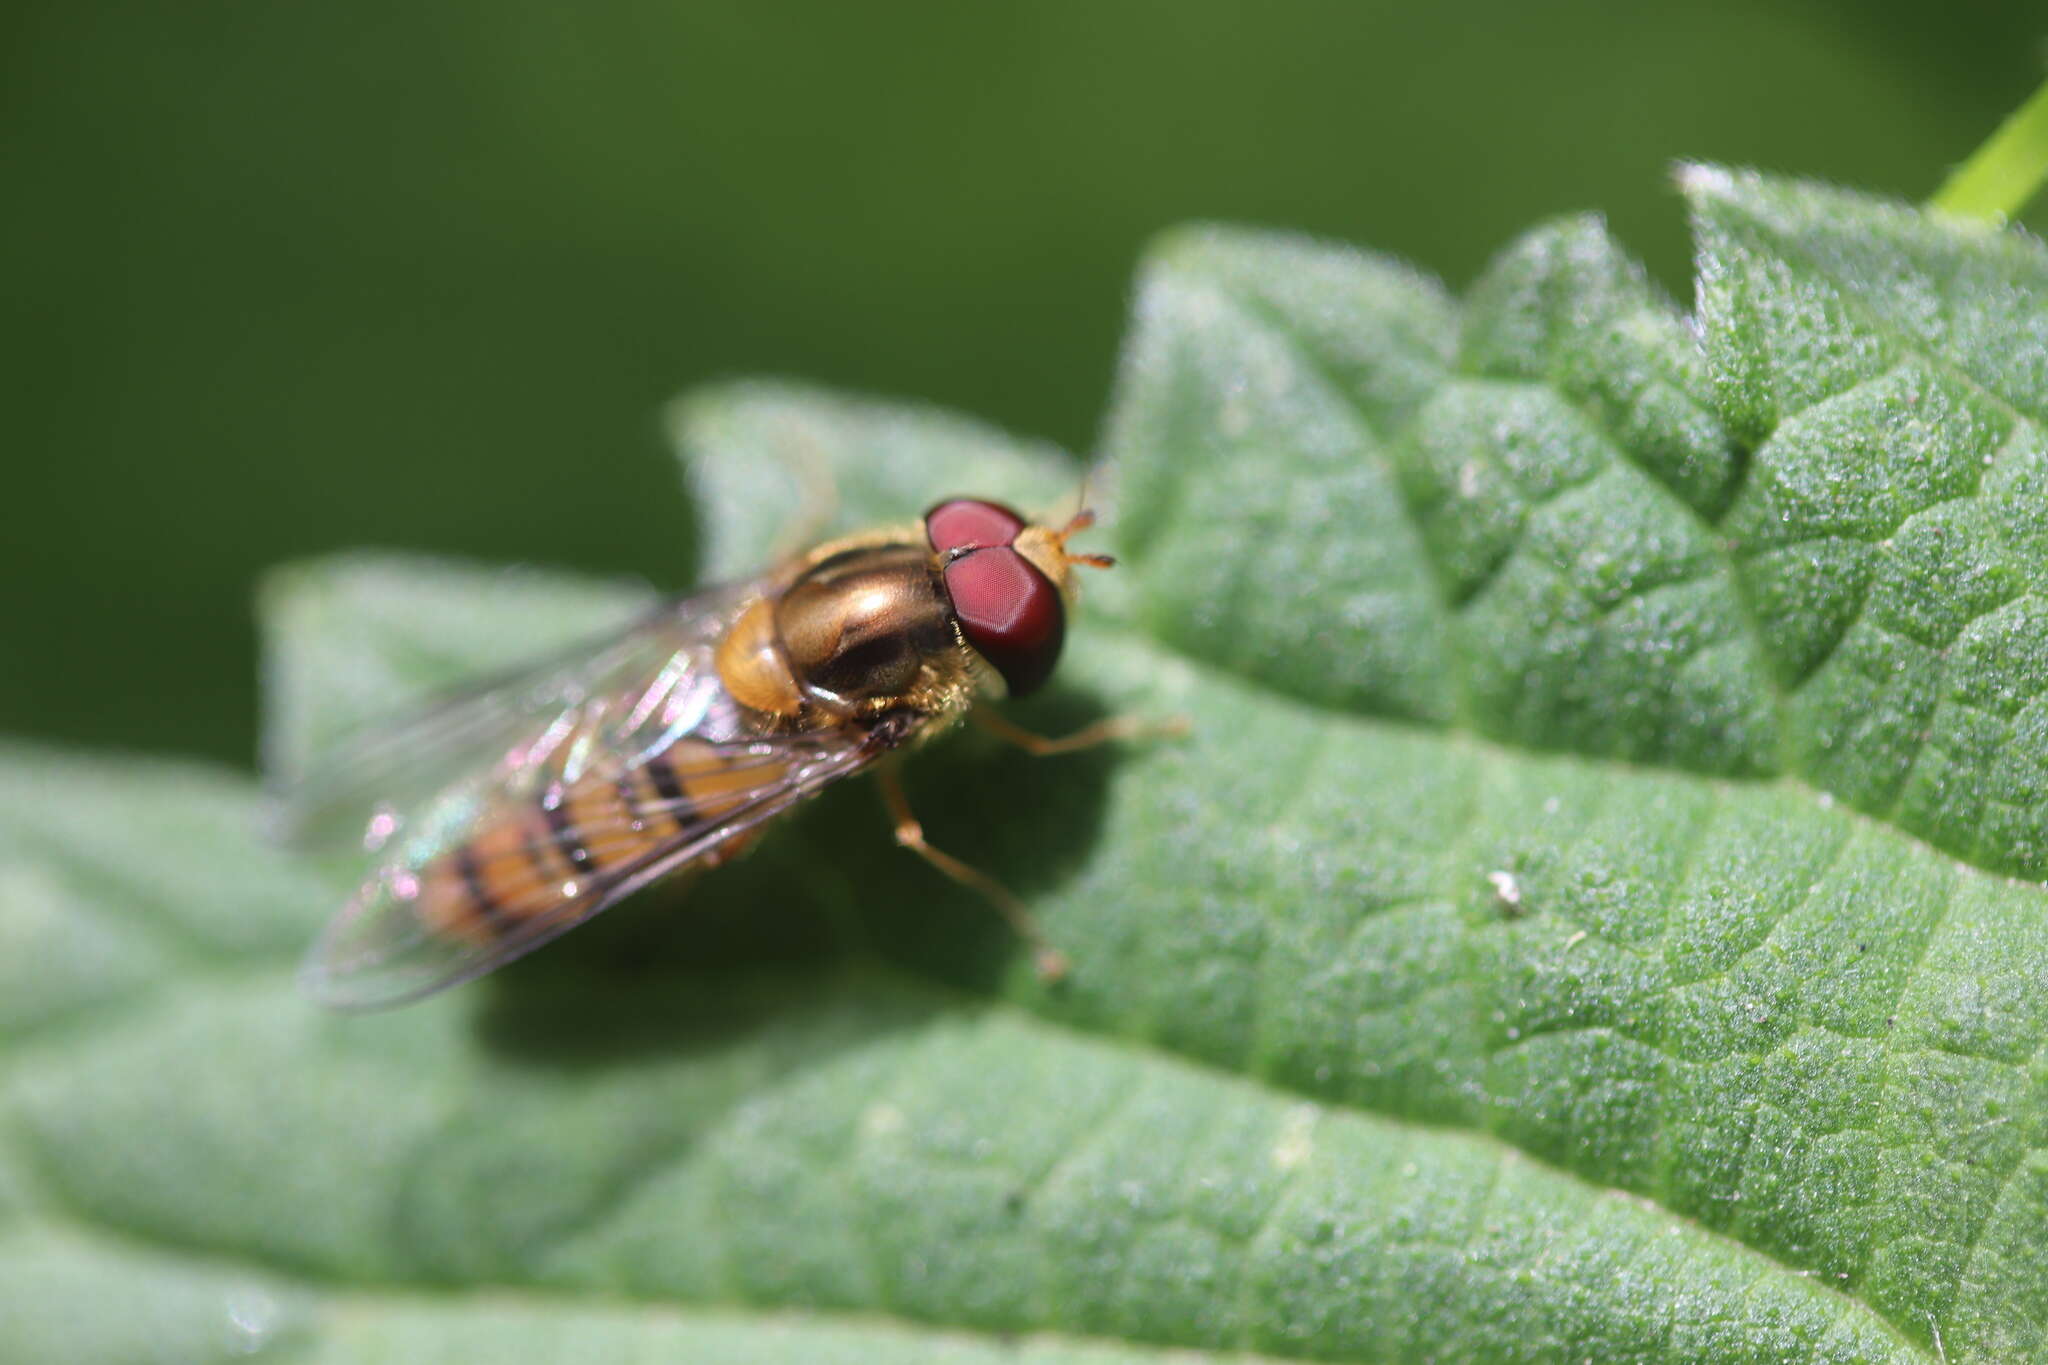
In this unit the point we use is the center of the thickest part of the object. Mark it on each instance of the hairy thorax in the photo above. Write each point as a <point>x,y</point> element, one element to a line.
<point>857,633</point>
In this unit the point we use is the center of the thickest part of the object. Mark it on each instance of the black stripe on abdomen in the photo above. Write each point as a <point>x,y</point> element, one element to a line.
<point>539,853</point>
<point>573,848</point>
<point>677,801</point>
<point>486,905</point>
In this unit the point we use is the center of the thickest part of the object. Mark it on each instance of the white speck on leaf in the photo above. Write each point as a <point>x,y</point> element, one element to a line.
<point>1297,1137</point>
<point>252,1319</point>
<point>880,1120</point>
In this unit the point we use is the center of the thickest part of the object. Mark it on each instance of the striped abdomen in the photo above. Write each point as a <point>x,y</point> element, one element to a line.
<point>578,840</point>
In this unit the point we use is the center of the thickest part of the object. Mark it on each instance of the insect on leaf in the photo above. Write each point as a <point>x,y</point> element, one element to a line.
<point>1597,913</point>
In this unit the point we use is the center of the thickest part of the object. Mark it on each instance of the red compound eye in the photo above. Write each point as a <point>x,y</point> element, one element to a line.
<point>1009,612</point>
<point>963,522</point>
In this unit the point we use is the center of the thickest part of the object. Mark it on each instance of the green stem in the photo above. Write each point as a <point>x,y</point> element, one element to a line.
<point>2002,175</point>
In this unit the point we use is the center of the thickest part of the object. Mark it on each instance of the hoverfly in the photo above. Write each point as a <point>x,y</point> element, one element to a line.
<point>497,821</point>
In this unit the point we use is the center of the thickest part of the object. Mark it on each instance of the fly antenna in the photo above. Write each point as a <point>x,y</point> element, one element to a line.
<point>1082,519</point>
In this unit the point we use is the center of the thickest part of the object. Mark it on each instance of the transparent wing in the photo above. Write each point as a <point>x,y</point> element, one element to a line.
<point>354,795</point>
<point>519,811</point>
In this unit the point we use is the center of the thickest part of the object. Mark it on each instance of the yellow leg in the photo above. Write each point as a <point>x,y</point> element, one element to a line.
<point>1050,961</point>
<point>1101,732</point>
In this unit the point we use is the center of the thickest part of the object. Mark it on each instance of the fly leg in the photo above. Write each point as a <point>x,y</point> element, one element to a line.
<point>1088,737</point>
<point>1050,961</point>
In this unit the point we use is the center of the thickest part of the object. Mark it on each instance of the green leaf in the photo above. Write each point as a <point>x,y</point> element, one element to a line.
<point>1595,916</point>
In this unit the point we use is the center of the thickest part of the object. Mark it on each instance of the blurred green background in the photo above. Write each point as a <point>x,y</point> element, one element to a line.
<point>284,278</point>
